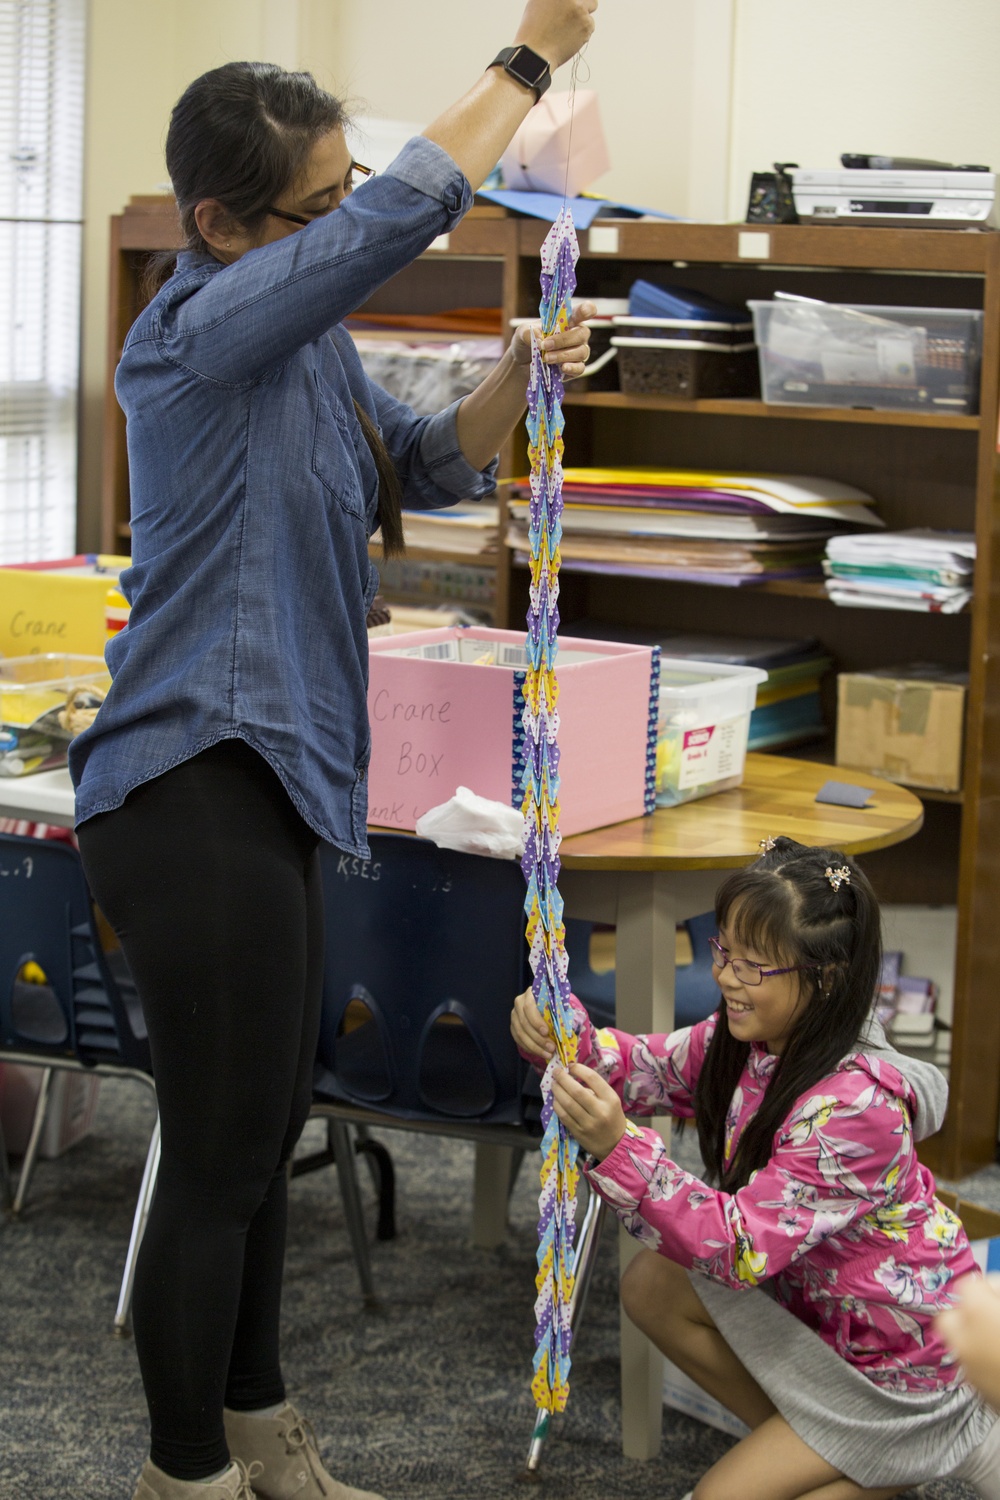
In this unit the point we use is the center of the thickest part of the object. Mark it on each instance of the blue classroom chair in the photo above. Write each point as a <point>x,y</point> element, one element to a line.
<point>64,1002</point>
<point>84,1015</point>
<point>696,993</point>
<point>425,952</point>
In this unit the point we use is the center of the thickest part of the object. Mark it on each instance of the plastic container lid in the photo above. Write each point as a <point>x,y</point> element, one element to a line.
<point>634,322</point>
<point>634,343</point>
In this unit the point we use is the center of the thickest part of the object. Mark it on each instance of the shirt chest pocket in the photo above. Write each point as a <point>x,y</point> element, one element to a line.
<point>343,462</point>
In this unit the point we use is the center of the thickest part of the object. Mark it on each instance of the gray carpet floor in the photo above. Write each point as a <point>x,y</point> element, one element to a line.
<point>426,1400</point>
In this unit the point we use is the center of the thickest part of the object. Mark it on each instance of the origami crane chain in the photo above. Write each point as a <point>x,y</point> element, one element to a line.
<point>545,929</point>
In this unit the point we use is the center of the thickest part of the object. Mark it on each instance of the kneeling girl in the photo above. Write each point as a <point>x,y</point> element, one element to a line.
<point>800,1288</point>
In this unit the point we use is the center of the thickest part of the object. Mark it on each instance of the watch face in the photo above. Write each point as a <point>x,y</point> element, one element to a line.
<point>528,66</point>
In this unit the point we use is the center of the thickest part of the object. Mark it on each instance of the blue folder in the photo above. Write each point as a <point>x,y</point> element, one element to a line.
<point>549,205</point>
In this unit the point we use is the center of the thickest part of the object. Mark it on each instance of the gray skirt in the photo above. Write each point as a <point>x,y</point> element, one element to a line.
<point>874,1436</point>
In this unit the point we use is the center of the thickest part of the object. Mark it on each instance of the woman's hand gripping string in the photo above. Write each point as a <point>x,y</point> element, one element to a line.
<point>569,350</point>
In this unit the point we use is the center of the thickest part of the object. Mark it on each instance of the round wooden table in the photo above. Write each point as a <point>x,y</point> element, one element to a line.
<point>778,796</point>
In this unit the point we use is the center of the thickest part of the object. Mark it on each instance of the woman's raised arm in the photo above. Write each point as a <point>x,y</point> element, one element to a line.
<point>477,130</point>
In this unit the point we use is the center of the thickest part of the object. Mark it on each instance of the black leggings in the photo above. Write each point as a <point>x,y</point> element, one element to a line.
<point>210,878</point>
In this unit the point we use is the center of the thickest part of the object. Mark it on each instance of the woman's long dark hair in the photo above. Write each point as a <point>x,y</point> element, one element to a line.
<point>242,134</point>
<point>785,907</point>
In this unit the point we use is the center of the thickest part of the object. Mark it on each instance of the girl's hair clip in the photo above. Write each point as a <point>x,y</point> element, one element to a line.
<point>766,845</point>
<point>839,877</point>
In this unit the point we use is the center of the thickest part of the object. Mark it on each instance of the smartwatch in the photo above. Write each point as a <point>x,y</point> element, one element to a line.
<point>525,67</point>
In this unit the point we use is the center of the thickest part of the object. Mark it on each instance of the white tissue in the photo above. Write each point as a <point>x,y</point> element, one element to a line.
<point>474,825</point>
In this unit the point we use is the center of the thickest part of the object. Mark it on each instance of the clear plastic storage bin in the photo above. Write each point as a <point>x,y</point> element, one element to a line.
<point>31,686</point>
<point>704,723</point>
<point>887,358</point>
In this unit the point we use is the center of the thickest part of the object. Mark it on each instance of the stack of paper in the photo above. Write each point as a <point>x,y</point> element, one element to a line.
<point>929,571</point>
<point>461,528</point>
<point>697,525</point>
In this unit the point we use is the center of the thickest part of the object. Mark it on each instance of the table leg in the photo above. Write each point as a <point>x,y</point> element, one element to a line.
<point>644,1001</point>
<point>491,1191</point>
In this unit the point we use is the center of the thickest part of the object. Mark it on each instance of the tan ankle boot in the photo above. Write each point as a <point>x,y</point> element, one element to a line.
<point>235,1484</point>
<point>285,1448</point>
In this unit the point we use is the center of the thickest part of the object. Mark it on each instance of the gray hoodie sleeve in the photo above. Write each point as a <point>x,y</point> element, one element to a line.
<point>926,1080</point>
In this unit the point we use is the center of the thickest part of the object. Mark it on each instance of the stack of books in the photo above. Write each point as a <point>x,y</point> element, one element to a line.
<point>924,570</point>
<point>906,1007</point>
<point>696,525</point>
<point>471,529</point>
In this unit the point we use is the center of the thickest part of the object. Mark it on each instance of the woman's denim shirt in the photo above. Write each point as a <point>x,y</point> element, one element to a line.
<point>253,498</point>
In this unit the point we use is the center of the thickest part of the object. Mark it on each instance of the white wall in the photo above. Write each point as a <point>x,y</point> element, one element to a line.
<point>638,62</point>
<point>142,53</point>
<point>813,78</point>
<point>695,95</point>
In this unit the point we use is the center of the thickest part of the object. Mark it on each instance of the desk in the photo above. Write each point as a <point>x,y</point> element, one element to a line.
<point>645,876</point>
<point>44,798</point>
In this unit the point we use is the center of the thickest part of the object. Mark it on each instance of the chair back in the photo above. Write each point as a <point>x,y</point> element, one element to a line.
<point>58,993</point>
<point>425,952</point>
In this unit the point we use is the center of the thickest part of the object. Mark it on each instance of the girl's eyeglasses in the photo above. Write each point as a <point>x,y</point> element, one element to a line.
<point>745,970</point>
<point>282,213</point>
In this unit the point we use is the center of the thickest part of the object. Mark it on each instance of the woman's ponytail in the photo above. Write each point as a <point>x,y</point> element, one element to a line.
<point>390,491</point>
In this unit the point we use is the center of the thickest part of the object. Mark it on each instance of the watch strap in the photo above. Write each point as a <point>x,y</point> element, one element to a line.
<point>526,67</point>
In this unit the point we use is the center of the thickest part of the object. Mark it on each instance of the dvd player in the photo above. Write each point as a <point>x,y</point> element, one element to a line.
<point>928,200</point>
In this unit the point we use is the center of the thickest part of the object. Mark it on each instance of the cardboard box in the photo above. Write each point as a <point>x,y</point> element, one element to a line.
<point>904,723</point>
<point>57,606</point>
<point>982,1225</point>
<point>681,1393</point>
<point>445,709</point>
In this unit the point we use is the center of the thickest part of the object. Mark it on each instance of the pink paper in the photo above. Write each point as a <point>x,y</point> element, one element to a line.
<point>546,148</point>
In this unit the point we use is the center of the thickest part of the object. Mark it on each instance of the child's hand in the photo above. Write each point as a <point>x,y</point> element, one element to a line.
<point>589,1108</point>
<point>529,1028</point>
<point>972,1329</point>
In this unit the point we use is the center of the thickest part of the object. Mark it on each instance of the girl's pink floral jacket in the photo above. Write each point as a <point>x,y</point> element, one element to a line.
<point>842,1221</point>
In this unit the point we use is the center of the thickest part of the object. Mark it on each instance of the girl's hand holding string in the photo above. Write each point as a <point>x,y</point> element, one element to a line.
<point>529,1028</point>
<point>589,1108</point>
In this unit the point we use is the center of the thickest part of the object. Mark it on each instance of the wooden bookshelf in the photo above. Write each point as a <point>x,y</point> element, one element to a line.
<point>923,469</point>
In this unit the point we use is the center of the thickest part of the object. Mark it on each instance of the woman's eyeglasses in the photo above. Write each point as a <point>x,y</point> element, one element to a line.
<point>745,970</point>
<point>282,213</point>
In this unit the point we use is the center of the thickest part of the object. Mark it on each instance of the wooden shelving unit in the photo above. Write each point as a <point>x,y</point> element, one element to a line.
<point>737,407</point>
<point>923,469</point>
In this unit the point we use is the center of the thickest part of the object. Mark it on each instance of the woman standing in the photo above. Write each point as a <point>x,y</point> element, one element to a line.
<point>235,735</point>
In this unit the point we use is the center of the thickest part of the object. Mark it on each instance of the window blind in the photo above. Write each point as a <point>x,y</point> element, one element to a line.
<point>41,192</point>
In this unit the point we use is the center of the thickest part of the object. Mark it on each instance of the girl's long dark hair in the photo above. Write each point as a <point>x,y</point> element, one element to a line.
<point>784,907</point>
<point>241,134</point>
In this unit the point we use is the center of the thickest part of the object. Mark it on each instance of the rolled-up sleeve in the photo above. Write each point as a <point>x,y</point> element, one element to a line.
<point>445,465</point>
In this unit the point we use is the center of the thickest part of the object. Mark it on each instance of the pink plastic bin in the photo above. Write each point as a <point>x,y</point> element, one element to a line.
<point>440,721</point>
